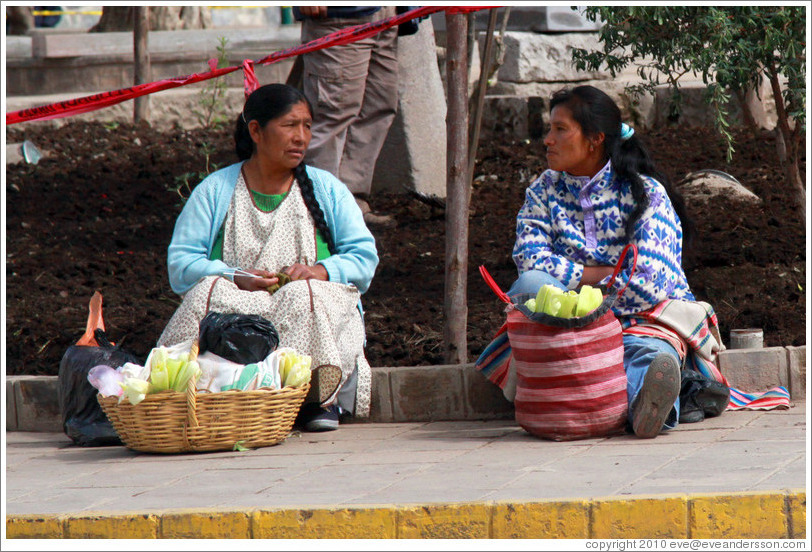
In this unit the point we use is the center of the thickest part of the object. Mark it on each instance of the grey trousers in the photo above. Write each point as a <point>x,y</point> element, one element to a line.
<point>353,91</point>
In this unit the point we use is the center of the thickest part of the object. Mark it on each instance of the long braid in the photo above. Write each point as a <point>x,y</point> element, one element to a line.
<point>309,196</point>
<point>631,158</point>
<point>626,167</point>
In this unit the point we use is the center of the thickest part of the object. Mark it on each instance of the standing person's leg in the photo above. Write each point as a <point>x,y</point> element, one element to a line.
<point>333,80</point>
<point>653,384</point>
<point>368,132</point>
<point>19,20</point>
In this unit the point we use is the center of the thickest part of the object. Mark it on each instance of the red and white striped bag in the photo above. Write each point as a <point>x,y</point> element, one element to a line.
<point>571,383</point>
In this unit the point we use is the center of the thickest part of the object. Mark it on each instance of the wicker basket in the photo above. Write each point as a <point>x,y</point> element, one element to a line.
<point>203,422</point>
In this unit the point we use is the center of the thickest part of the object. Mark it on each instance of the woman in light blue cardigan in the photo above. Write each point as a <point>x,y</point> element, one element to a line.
<point>245,225</point>
<point>199,224</point>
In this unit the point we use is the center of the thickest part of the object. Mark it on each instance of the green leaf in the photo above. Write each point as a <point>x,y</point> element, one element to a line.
<point>726,45</point>
<point>239,447</point>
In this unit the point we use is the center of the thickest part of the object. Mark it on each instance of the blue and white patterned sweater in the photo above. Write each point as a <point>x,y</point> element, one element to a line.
<point>568,222</point>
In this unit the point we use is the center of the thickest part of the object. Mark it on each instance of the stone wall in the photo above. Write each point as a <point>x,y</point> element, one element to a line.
<point>536,65</point>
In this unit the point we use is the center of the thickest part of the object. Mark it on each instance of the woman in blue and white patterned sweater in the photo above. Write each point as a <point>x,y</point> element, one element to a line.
<point>602,192</point>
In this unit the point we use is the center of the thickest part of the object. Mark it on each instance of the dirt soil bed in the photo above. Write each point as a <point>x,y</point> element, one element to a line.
<point>97,214</point>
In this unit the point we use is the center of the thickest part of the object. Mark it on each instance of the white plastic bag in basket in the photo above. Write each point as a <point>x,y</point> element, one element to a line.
<point>220,374</point>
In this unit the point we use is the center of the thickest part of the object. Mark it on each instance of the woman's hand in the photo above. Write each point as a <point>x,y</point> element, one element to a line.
<point>251,283</point>
<point>298,271</point>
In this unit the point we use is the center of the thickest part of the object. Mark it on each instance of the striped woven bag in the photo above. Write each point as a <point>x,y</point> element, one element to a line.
<point>570,382</point>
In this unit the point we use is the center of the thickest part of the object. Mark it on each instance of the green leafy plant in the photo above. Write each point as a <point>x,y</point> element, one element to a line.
<point>731,47</point>
<point>184,183</point>
<point>212,111</point>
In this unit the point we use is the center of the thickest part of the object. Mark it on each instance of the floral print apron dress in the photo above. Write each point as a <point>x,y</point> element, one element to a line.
<point>317,318</point>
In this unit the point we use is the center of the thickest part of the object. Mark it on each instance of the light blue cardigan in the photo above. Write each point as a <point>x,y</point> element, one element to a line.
<point>354,260</point>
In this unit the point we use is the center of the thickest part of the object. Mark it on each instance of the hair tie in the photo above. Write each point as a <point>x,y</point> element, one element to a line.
<point>626,131</point>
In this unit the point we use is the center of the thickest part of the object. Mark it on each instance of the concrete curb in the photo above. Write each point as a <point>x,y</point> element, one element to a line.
<point>752,515</point>
<point>406,394</point>
<point>434,393</point>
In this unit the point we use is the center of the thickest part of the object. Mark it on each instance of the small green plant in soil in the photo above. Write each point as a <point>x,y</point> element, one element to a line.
<point>184,183</point>
<point>212,111</point>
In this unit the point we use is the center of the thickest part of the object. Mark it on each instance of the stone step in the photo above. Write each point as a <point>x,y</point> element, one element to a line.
<point>200,41</point>
<point>435,393</point>
<point>70,63</point>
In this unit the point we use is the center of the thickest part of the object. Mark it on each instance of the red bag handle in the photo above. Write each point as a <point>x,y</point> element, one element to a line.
<point>504,297</point>
<point>493,285</point>
<point>619,265</point>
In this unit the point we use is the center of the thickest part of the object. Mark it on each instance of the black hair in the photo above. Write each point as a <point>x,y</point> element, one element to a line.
<point>267,103</point>
<point>596,112</point>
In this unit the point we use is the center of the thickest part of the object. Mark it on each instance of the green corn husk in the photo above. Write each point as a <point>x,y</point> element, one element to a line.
<point>294,369</point>
<point>565,304</point>
<point>548,300</point>
<point>298,376</point>
<point>135,390</point>
<point>589,299</point>
<point>189,370</point>
<point>174,367</point>
<point>158,372</point>
<point>283,279</point>
<point>568,302</point>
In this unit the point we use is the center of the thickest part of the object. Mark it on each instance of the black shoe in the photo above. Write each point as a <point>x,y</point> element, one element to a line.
<point>372,218</point>
<point>657,396</point>
<point>378,219</point>
<point>321,419</point>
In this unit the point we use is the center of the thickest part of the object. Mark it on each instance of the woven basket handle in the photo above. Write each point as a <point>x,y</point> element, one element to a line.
<point>619,265</point>
<point>191,391</point>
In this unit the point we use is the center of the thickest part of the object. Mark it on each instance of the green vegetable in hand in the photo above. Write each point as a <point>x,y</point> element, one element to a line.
<point>283,279</point>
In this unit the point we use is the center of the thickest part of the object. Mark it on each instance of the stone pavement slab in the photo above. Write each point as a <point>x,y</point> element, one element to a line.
<point>470,467</point>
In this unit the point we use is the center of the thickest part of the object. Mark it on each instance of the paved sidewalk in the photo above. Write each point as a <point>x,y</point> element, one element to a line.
<point>412,480</point>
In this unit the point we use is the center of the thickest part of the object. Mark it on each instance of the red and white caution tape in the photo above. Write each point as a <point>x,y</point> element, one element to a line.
<point>106,99</point>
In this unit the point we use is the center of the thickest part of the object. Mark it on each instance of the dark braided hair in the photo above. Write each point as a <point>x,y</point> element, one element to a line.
<point>596,112</point>
<point>265,104</point>
<point>306,186</point>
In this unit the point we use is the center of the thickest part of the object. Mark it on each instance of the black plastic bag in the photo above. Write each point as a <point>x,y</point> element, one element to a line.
<point>701,397</point>
<point>83,419</point>
<point>240,338</point>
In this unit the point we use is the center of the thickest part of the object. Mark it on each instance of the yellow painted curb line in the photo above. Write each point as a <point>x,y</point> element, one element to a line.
<point>743,515</point>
